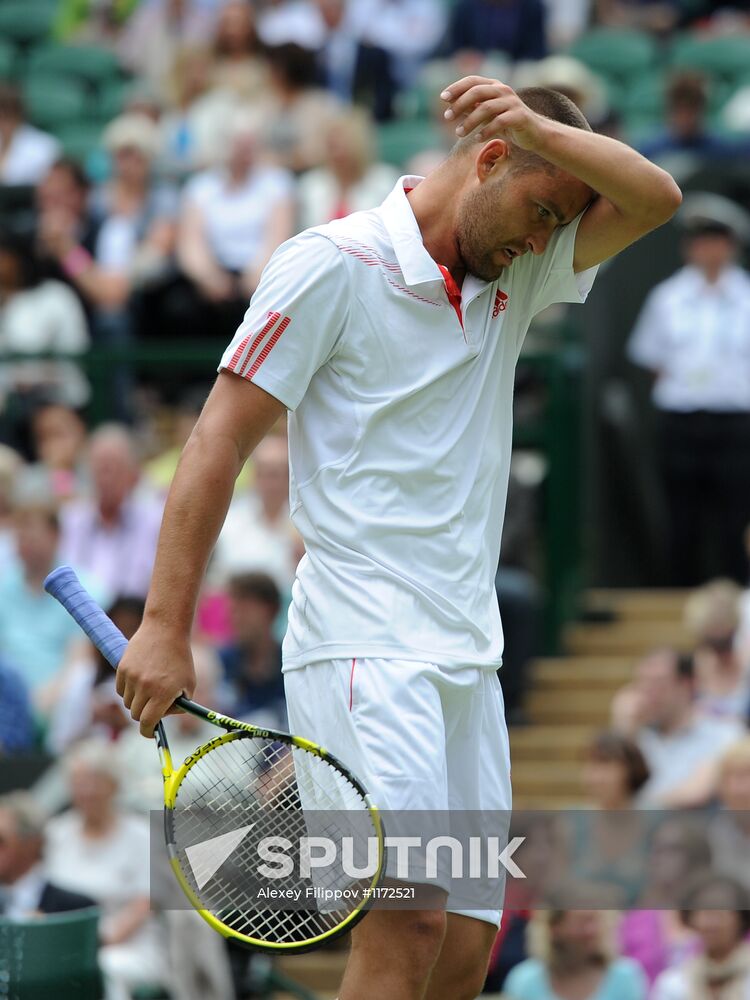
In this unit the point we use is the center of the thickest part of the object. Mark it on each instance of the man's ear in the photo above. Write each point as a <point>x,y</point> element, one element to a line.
<point>492,156</point>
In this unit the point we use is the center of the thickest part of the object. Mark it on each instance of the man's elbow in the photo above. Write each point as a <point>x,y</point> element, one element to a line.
<point>665,197</point>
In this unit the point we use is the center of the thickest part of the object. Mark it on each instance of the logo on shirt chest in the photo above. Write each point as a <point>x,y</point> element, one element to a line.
<point>501,303</point>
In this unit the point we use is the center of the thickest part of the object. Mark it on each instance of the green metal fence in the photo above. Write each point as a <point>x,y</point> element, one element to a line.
<point>554,432</point>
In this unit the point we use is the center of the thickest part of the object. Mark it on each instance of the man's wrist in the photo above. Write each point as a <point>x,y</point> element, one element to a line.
<point>178,624</point>
<point>544,136</point>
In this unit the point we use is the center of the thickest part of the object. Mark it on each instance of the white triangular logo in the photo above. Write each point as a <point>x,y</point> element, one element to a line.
<point>207,857</point>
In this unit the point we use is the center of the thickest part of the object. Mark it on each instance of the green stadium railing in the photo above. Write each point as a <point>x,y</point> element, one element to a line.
<point>554,432</point>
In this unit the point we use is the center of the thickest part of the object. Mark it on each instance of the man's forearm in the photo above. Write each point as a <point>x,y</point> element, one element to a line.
<point>635,186</point>
<point>235,418</point>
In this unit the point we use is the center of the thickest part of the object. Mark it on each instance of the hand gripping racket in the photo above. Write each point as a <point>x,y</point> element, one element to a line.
<point>274,841</point>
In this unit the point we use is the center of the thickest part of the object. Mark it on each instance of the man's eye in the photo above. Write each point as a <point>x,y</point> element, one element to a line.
<point>543,212</point>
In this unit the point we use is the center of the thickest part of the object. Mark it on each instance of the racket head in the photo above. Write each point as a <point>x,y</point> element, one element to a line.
<point>264,783</point>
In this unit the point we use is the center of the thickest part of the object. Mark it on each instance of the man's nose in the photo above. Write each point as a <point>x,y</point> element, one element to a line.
<point>538,240</point>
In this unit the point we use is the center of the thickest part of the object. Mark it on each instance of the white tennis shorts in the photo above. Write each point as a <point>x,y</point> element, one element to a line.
<point>419,736</point>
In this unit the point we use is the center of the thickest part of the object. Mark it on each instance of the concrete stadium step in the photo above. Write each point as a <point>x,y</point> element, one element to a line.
<point>555,778</point>
<point>582,672</point>
<point>320,971</point>
<point>584,707</point>
<point>545,743</point>
<point>623,638</point>
<point>661,605</point>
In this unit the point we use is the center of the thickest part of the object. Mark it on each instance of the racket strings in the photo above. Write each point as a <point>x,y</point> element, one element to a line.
<point>280,795</point>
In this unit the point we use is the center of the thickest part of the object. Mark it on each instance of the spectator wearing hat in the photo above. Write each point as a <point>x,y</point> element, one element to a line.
<point>25,152</point>
<point>135,234</point>
<point>693,336</point>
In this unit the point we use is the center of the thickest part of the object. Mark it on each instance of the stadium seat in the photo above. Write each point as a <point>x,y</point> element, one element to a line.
<point>24,24</point>
<point>642,103</point>
<point>618,55</point>
<point>398,141</point>
<point>726,57</point>
<point>82,142</point>
<point>52,956</point>
<point>7,61</point>
<point>53,101</point>
<point>87,62</point>
<point>110,98</point>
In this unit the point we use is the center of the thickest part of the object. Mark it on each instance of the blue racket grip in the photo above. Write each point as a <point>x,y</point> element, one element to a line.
<point>65,587</point>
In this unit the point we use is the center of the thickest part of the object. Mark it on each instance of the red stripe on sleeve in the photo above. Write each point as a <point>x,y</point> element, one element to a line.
<point>272,321</point>
<point>269,346</point>
<point>238,353</point>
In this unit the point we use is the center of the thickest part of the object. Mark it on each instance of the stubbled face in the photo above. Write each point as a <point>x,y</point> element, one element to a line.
<point>515,213</point>
<point>580,930</point>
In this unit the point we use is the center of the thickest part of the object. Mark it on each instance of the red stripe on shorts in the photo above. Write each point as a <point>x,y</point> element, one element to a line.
<point>351,684</point>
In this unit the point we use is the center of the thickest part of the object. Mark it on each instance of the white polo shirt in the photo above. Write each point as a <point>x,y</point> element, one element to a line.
<point>399,431</point>
<point>696,336</point>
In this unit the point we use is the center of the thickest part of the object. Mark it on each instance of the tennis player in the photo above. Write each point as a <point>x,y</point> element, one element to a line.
<point>391,337</point>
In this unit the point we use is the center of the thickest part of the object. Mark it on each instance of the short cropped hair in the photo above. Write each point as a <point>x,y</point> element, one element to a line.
<point>546,102</point>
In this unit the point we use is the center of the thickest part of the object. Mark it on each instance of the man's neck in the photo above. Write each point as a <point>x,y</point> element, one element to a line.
<point>434,202</point>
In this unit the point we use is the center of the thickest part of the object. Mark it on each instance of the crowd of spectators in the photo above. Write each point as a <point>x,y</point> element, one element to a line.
<point>239,124</point>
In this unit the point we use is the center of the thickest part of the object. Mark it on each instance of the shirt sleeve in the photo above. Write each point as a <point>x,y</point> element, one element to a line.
<point>295,320</point>
<point>550,277</point>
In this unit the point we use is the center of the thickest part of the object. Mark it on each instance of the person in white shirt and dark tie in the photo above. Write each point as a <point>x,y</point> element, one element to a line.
<point>693,335</point>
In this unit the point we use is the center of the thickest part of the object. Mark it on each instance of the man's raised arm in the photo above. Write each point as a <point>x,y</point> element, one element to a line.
<point>634,195</point>
<point>157,666</point>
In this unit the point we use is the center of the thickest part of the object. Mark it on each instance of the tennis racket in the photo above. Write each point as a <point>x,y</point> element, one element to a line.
<point>250,816</point>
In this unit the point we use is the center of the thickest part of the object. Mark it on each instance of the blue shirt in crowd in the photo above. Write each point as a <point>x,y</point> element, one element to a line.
<point>623,980</point>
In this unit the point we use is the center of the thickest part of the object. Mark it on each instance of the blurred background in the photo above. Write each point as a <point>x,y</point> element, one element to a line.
<point>153,154</point>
